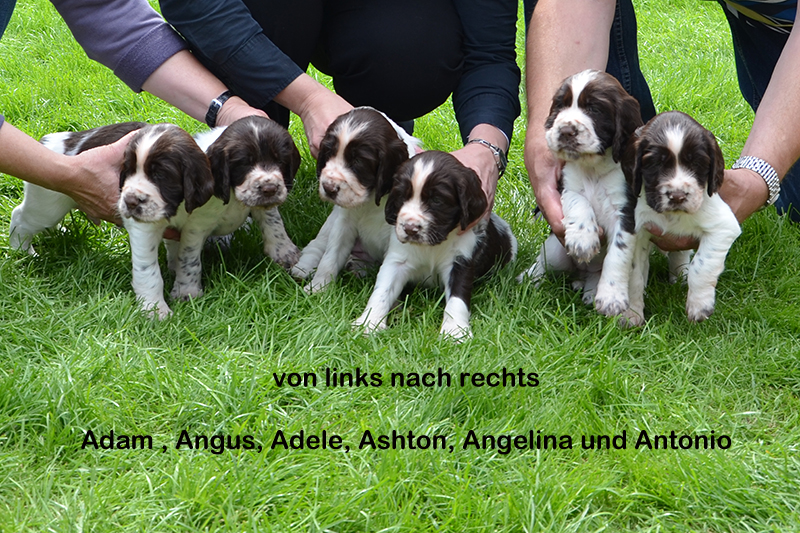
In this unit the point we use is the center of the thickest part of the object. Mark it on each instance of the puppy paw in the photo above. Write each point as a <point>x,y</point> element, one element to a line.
<point>186,291</point>
<point>582,243</point>
<point>367,325</point>
<point>286,255</point>
<point>535,274</point>
<point>631,319</point>
<point>156,310</point>
<point>698,313</point>
<point>455,332</point>
<point>610,304</point>
<point>587,296</point>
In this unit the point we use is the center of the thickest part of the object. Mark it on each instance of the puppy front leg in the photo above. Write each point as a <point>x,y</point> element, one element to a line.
<point>277,244</point>
<point>392,277</point>
<point>581,238</point>
<point>147,282</point>
<point>458,293</point>
<point>312,253</point>
<point>704,271</point>
<point>341,240</point>
<point>612,290</point>
<point>40,209</point>
<point>188,267</point>
<point>640,268</point>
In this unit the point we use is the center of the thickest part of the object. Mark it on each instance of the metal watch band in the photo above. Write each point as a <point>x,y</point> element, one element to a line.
<point>763,169</point>
<point>499,156</point>
<point>216,105</point>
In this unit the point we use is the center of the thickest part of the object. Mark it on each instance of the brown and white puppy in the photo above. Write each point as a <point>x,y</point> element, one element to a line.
<point>165,177</point>
<point>676,168</point>
<point>253,162</point>
<point>164,173</point>
<point>357,160</point>
<point>435,197</point>
<point>591,119</point>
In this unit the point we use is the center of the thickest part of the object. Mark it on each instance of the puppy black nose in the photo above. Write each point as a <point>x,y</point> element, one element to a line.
<point>132,201</point>
<point>677,197</point>
<point>268,189</point>
<point>331,189</point>
<point>568,131</point>
<point>411,228</point>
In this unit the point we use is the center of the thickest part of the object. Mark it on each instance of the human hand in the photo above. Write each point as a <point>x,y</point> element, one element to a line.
<point>95,182</point>
<point>543,172</point>
<point>234,109</point>
<point>316,105</point>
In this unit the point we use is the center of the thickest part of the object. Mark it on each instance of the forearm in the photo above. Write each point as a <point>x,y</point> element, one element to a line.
<point>24,158</point>
<point>773,136</point>
<point>183,82</point>
<point>488,91</point>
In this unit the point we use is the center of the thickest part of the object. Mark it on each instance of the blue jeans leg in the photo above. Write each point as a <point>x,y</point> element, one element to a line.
<point>757,50</point>
<point>623,58</point>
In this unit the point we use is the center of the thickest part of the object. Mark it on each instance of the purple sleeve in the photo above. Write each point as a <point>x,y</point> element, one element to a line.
<point>2,120</point>
<point>127,36</point>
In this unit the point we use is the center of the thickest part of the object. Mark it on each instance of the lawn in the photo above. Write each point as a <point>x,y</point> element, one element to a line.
<point>218,424</point>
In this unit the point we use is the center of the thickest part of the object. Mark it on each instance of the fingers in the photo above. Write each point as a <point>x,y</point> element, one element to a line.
<point>671,243</point>
<point>236,108</point>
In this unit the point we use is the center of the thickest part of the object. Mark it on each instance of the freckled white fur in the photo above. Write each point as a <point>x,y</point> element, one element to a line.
<point>594,194</point>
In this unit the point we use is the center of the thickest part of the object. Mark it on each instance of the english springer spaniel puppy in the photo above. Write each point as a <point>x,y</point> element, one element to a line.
<point>357,160</point>
<point>676,167</point>
<point>435,197</point>
<point>591,119</point>
<point>253,162</point>
<point>164,177</point>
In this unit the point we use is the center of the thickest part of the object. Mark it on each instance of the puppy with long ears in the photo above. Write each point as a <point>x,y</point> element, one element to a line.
<point>591,119</point>
<point>253,162</point>
<point>164,176</point>
<point>435,197</point>
<point>357,161</point>
<point>676,169</point>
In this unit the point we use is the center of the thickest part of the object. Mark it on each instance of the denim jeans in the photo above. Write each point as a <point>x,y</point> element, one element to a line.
<point>756,50</point>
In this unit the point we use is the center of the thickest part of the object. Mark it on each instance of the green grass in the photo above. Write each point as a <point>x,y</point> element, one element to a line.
<point>75,355</point>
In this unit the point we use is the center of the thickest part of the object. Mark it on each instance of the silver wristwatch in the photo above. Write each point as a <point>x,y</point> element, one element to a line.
<point>500,158</point>
<point>763,169</point>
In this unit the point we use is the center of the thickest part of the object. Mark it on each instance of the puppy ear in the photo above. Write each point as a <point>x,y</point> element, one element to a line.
<point>198,182</point>
<point>394,202</point>
<point>220,171</point>
<point>629,159</point>
<point>388,164</point>
<point>471,198</point>
<point>716,167</point>
<point>639,146</point>
<point>293,167</point>
<point>629,118</point>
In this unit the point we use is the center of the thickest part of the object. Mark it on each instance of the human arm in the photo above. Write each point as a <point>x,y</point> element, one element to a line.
<point>486,100</point>
<point>143,50</point>
<point>90,178</point>
<point>231,44</point>
<point>564,37</point>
